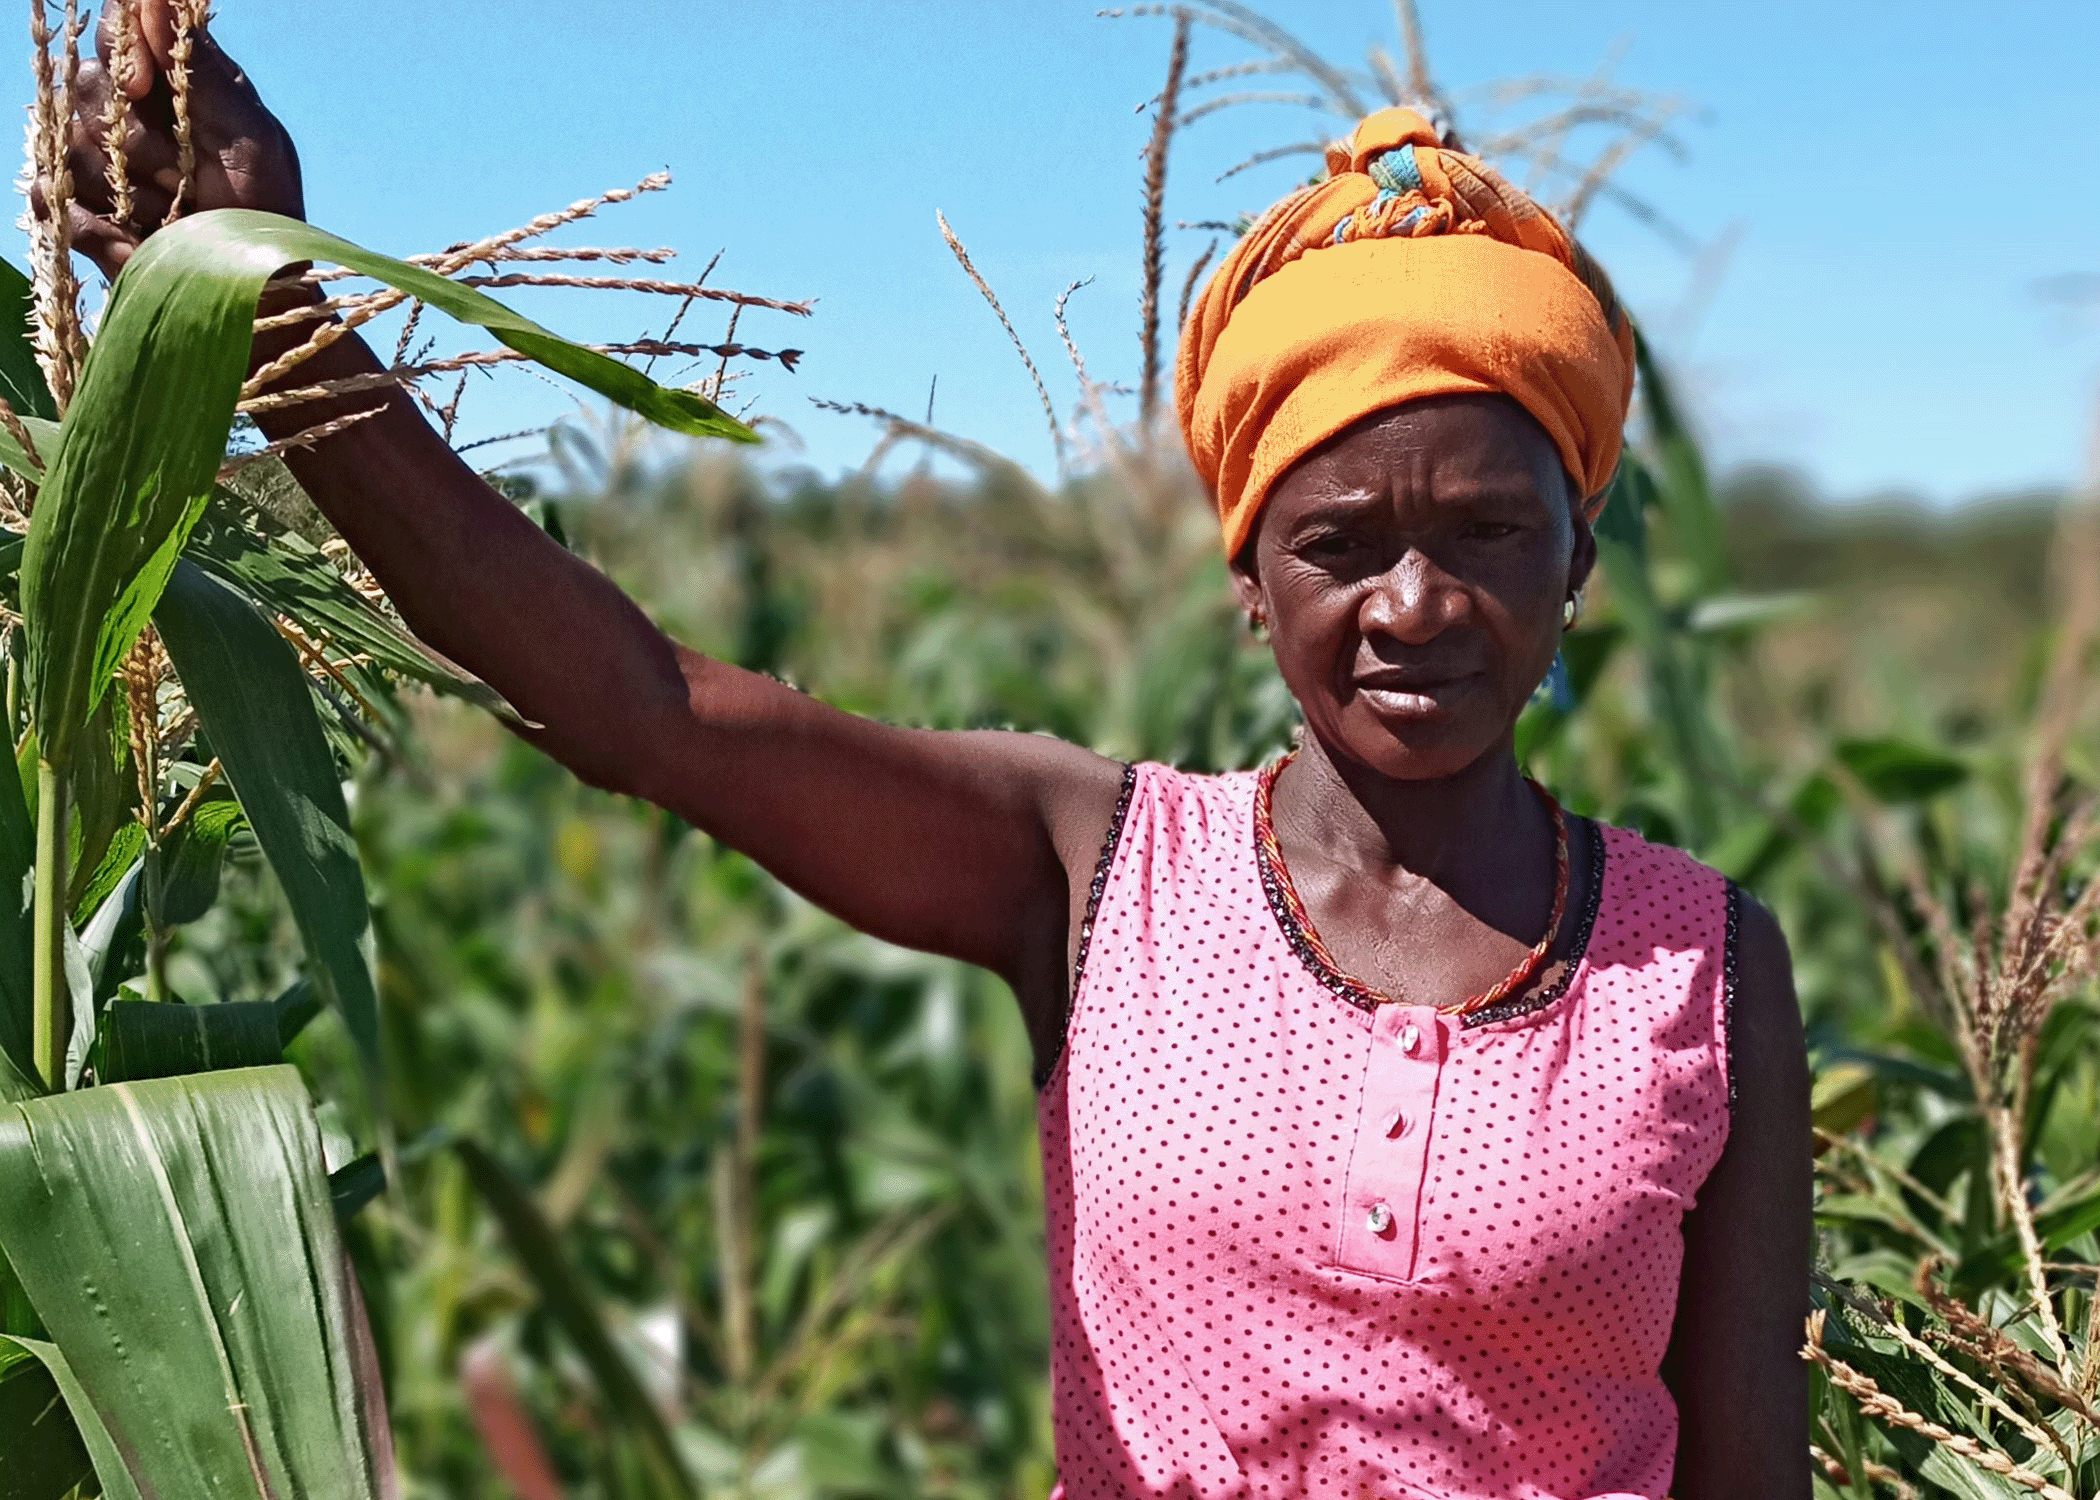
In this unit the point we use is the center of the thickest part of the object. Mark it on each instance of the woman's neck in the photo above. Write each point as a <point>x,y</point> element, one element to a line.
<point>1465,833</point>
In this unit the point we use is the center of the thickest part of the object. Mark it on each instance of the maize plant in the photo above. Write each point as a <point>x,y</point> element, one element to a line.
<point>183,673</point>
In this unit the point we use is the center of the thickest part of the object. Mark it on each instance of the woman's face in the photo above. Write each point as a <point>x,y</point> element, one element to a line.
<point>1412,571</point>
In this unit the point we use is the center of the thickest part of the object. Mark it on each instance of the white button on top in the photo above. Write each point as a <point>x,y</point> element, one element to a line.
<point>1410,1038</point>
<point>1381,1218</point>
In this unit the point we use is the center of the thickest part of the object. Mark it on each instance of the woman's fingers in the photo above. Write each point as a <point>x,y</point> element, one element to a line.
<point>157,29</point>
<point>98,236</point>
<point>149,153</point>
<point>123,49</point>
<point>102,240</point>
<point>93,200</point>
<point>242,155</point>
<point>149,137</point>
<point>136,41</point>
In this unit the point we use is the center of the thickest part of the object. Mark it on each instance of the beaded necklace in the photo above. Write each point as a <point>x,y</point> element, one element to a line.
<point>1526,970</point>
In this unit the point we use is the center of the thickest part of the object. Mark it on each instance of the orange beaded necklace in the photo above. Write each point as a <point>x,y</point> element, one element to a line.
<point>1361,994</point>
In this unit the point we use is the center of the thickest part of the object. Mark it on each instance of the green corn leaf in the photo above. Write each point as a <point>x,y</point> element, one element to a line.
<point>105,797</point>
<point>1684,492</point>
<point>16,1315</point>
<point>46,1457</point>
<point>192,857</point>
<point>1843,1096</point>
<point>2077,1216</point>
<point>288,574</point>
<point>31,467</point>
<point>296,1009</point>
<point>16,1083</point>
<point>126,847</point>
<point>146,433</point>
<point>17,869</point>
<point>178,1239</point>
<point>21,377</point>
<point>351,1187</point>
<point>1897,771</point>
<point>1623,554</point>
<point>534,1241</point>
<point>144,1039</point>
<point>1960,1476</point>
<point>110,943</point>
<point>252,702</point>
<point>44,433</point>
<point>2064,1219</point>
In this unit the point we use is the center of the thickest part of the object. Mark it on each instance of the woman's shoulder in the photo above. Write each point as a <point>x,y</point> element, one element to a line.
<point>1656,868</point>
<point>1655,899</point>
<point>1179,815</point>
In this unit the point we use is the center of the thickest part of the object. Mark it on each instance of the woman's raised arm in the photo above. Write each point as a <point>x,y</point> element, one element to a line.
<point>960,844</point>
<point>955,843</point>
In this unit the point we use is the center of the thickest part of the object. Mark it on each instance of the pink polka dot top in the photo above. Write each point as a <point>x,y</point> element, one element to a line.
<point>1299,1247</point>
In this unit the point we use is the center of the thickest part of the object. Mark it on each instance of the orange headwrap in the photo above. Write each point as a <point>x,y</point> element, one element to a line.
<point>1409,271</point>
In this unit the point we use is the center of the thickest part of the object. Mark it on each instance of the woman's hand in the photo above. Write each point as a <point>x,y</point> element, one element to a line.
<point>243,155</point>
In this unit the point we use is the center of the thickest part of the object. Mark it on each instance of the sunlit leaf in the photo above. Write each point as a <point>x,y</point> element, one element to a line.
<point>191,859</point>
<point>126,847</point>
<point>44,433</point>
<point>1843,1097</point>
<point>105,799</point>
<point>1725,613</point>
<point>178,1239</point>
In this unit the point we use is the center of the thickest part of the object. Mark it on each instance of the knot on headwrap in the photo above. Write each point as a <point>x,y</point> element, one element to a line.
<point>1410,270</point>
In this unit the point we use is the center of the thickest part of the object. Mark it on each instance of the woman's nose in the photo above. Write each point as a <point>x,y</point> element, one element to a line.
<point>1413,601</point>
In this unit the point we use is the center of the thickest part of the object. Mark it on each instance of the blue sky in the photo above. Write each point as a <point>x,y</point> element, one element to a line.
<point>1896,181</point>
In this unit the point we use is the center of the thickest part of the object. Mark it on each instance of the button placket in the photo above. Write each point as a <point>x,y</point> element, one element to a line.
<point>1380,1209</point>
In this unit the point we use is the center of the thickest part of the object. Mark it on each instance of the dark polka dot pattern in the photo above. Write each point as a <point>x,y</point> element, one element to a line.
<point>1301,1249</point>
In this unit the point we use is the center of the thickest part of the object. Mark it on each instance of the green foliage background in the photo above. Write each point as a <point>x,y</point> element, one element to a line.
<point>792,1172</point>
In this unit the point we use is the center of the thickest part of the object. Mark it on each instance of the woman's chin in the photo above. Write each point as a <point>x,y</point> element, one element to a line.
<point>1415,743</point>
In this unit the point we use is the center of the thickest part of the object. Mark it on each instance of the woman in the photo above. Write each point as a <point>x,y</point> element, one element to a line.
<point>1402,1135</point>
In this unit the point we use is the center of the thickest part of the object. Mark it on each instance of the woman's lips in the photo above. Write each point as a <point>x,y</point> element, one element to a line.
<point>1413,696</point>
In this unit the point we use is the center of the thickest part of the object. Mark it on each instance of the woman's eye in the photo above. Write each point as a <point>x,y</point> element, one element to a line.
<point>1490,531</point>
<point>1333,544</point>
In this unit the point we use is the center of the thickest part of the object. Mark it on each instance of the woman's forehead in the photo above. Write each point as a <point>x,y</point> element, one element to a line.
<point>1448,447</point>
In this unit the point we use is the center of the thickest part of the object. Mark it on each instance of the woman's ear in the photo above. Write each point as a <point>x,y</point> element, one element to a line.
<point>1246,584</point>
<point>1582,561</point>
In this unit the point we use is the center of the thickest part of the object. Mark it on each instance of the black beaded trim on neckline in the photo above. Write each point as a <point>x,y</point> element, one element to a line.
<point>1731,930</point>
<point>1350,990</point>
<point>1364,998</point>
<point>1095,887</point>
